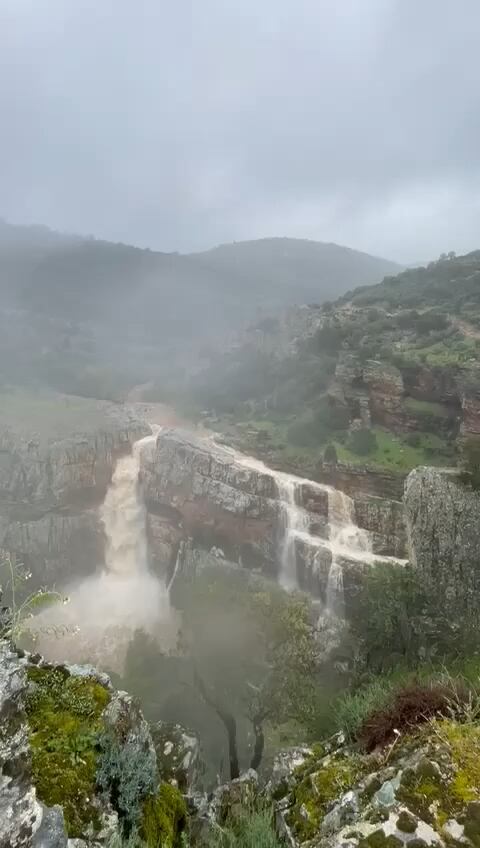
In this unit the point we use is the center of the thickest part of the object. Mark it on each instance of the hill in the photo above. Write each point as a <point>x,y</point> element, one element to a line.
<point>284,271</point>
<point>96,318</point>
<point>387,377</point>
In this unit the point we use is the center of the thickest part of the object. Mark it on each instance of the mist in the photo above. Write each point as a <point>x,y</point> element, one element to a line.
<point>239,422</point>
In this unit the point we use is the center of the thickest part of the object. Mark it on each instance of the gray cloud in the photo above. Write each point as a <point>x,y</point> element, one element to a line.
<point>181,124</point>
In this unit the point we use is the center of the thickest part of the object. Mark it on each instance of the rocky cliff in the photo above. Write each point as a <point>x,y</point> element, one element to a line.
<point>205,499</point>
<point>405,794</point>
<point>51,484</point>
<point>443,523</point>
<point>78,763</point>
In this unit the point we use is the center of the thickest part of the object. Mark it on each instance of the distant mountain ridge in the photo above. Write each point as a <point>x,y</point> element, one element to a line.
<point>143,313</point>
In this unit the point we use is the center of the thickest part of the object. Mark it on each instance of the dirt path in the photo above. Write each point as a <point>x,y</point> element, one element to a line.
<point>467,329</point>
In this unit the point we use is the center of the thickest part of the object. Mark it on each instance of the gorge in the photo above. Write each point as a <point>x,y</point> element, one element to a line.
<point>248,568</point>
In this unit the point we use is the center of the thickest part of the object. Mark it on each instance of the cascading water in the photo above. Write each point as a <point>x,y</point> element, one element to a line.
<point>347,540</point>
<point>124,517</point>
<point>295,521</point>
<point>105,609</point>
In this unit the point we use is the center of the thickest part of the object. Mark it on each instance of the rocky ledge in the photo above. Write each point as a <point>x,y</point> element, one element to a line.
<point>51,486</point>
<point>204,498</point>
<point>421,790</point>
<point>78,763</point>
<point>443,524</point>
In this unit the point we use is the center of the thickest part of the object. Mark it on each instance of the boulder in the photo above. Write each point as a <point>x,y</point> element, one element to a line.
<point>403,796</point>
<point>56,721</point>
<point>20,812</point>
<point>443,525</point>
<point>178,756</point>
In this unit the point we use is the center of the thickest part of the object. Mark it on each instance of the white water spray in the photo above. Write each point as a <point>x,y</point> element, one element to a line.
<point>346,541</point>
<point>104,610</point>
<point>124,516</point>
<point>295,522</point>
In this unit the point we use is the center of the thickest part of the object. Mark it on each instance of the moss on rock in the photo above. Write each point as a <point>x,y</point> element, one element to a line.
<point>64,717</point>
<point>319,784</point>
<point>164,817</point>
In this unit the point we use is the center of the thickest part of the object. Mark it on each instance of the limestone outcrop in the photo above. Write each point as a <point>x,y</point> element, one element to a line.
<point>443,523</point>
<point>78,764</point>
<point>50,489</point>
<point>197,487</point>
<point>332,796</point>
<point>209,503</point>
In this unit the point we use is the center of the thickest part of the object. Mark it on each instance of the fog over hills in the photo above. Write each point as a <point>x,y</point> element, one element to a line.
<point>106,305</point>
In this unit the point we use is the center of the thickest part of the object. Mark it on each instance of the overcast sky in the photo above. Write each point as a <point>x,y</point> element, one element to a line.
<point>179,124</point>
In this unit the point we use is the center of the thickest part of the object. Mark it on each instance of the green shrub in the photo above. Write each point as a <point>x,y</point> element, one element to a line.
<point>328,339</point>
<point>352,709</point>
<point>331,416</point>
<point>164,817</point>
<point>254,829</point>
<point>470,461</point>
<point>128,775</point>
<point>413,440</point>
<point>330,454</point>
<point>362,442</point>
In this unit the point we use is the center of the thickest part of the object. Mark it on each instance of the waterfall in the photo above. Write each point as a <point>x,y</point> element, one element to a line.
<point>123,516</point>
<point>105,609</point>
<point>346,539</point>
<point>295,521</point>
<point>176,569</point>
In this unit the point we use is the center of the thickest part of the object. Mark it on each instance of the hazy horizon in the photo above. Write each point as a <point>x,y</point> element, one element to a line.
<point>183,127</point>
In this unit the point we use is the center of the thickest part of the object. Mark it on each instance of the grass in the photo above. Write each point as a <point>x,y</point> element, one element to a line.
<point>254,829</point>
<point>393,452</point>
<point>351,709</point>
<point>48,414</point>
<point>425,407</point>
<point>451,351</point>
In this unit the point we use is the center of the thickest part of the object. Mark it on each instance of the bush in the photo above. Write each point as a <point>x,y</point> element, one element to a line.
<point>330,455</point>
<point>410,706</point>
<point>254,829</point>
<point>470,460</point>
<point>353,709</point>
<point>328,418</point>
<point>64,718</point>
<point>362,442</point>
<point>164,818</point>
<point>390,621</point>
<point>413,440</point>
<point>328,339</point>
<point>128,774</point>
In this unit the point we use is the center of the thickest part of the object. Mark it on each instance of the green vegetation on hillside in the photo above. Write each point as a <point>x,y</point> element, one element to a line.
<point>405,349</point>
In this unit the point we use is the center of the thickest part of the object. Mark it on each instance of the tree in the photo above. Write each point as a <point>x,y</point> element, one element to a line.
<point>252,652</point>
<point>330,455</point>
<point>362,442</point>
<point>471,461</point>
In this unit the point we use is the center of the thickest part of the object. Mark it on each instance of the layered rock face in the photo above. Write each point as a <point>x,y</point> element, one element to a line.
<point>412,398</point>
<point>195,488</point>
<point>443,522</point>
<point>78,761</point>
<point>49,493</point>
<point>208,503</point>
